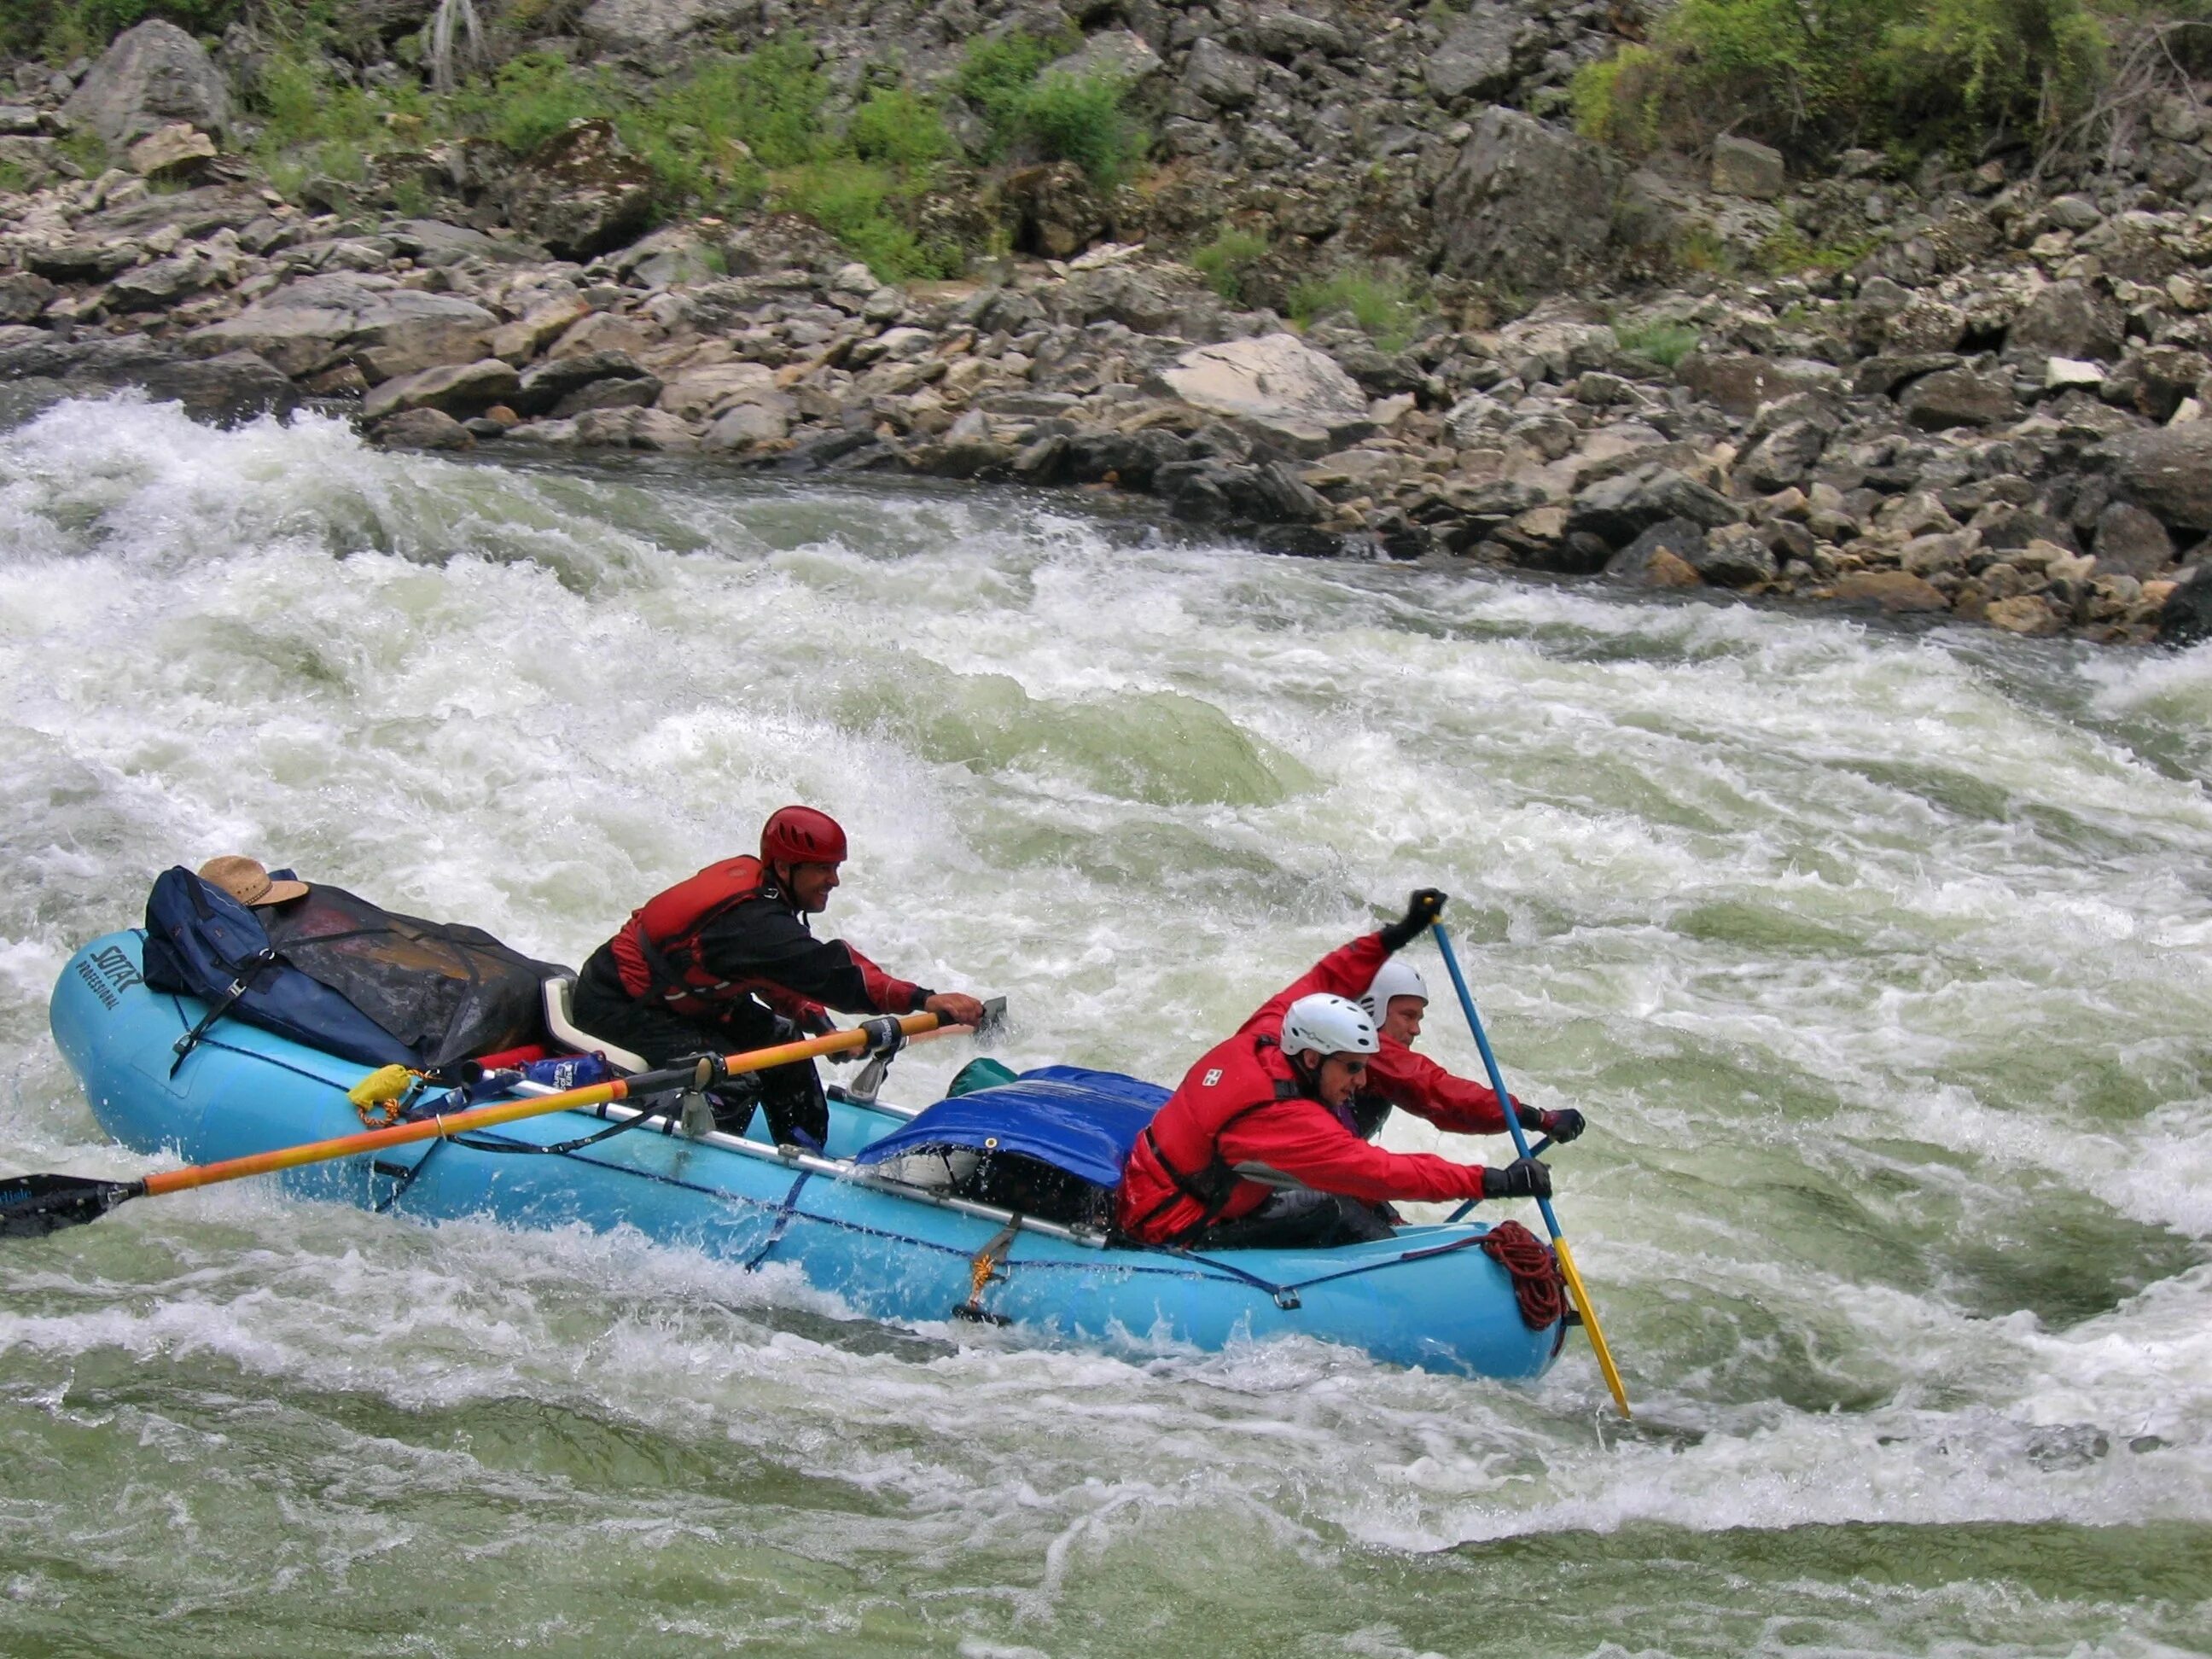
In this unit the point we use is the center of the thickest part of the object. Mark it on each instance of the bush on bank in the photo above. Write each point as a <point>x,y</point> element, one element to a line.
<point>1810,76</point>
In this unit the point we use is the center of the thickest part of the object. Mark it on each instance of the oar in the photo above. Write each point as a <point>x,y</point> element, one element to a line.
<point>1520,1143</point>
<point>33,1206</point>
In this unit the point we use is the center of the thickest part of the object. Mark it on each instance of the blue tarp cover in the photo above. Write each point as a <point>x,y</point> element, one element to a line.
<point>1080,1121</point>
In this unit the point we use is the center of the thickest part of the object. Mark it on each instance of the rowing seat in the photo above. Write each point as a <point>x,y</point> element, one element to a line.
<point>560,1020</point>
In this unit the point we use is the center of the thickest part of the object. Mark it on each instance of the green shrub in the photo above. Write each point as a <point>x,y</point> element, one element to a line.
<point>1080,119</point>
<point>854,202</point>
<point>67,28</point>
<point>899,129</point>
<point>530,99</point>
<point>1225,260</point>
<point>995,75</point>
<point>1808,76</point>
<point>1380,305</point>
<point>1665,344</point>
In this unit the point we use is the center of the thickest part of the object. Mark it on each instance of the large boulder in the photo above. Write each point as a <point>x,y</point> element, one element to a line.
<point>1618,510</point>
<point>1110,54</point>
<point>1529,205</point>
<point>2070,319</point>
<point>1475,59</point>
<point>2165,470</point>
<point>227,390</point>
<point>1056,210</point>
<point>1959,397</point>
<point>1277,385</point>
<point>581,193</point>
<point>152,75</point>
<point>455,389</point>
<point>314,323</point>
<point>1216,76</point>
<point>1744,168</point>
<point>642,25</point>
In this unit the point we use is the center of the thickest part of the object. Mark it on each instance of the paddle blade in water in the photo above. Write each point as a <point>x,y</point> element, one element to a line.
<point>33,1206</point>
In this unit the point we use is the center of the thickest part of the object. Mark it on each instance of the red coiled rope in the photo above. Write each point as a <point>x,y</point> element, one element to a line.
<point>1537,1285</point>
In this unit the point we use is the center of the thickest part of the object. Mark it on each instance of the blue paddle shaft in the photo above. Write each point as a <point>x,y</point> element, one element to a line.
<point>1489,1060</point>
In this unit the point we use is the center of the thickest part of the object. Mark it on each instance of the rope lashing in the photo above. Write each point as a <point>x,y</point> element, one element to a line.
<point>1537,1284</point>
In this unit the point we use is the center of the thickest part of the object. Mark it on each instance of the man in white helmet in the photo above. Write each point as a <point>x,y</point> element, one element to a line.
<point>1396,998</point>
<point>1257,1148</point>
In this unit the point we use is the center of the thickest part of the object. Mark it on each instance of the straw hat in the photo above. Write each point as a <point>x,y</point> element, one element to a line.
<point>248,881</point>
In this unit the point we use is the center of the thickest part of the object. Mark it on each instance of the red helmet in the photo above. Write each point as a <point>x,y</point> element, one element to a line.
<point>799,834</point>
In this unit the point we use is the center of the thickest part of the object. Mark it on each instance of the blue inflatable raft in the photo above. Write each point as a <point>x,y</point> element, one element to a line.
<point>850,1220</point>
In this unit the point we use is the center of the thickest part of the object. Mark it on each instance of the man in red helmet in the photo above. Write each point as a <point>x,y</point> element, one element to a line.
<point>724,961</point>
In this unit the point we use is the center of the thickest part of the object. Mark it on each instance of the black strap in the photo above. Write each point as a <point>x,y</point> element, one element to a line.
<point>1213,1188</point>
<point>265,958</point>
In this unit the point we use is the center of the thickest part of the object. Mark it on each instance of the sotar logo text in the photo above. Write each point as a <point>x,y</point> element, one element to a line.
<point>1212,1076</point>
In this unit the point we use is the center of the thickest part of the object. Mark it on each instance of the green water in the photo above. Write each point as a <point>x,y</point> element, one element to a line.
<point>1877,961</point>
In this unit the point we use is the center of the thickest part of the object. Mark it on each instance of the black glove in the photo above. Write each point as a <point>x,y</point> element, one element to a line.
<point>1524,1177</point>
<point>1423,907</point>
<point>1563,1126</point>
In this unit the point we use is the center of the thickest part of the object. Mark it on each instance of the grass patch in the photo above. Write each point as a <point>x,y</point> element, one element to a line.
<point>900,128</point>
<point>1382,305</point>
<point>1665,344</point>
<point>1225,261</point>
<point>857,202</point>
<point>1787,249</point>
<point>1811,76</point>
<point>14,181</point>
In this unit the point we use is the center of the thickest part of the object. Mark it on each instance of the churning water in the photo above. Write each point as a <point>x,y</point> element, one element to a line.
<point>1879,963</point>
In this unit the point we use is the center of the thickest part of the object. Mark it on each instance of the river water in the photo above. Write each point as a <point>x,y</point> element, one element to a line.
<point>1877,961</point>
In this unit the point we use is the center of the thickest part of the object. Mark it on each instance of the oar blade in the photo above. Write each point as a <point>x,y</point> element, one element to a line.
<point>33,1206</point>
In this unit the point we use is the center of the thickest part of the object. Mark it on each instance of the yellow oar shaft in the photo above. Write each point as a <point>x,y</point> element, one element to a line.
<point>485,1117</point>
<point>1574,1279</point>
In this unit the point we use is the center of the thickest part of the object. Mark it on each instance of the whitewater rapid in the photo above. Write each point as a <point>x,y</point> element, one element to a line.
<point>1877,960</point>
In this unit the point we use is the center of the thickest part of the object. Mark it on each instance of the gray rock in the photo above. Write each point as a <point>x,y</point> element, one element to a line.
<point>23,296</point>
<point>1739,381</point>
<point>1528,203</point>
<point>1785,456</point>
<point>611,392</point>
<point>1218,77</point>
<point>640,25</point>
<point>2166,471</point>
<point>580,192</point>
<point>2131,542</point>
<point>313,323</point>
<point>1680,539</point>
<point>457,389</point>
<point>1617,510</point>
<point>2154,381</point>
<point>162,282</point>
<point>749,425</point>
<point>634,428</point>
<point>551,383</point>
<point>1277,385</point>
<point>2069,319</point>
<point>421,428</point>
<point>227,390</point>
<point>1924,325</point>
<point>435,242</point>
<point>2185,619</point>
<point>18,120</point>
<point>1743,168</point>
<point>1959,397</point>
<point>1058,211</point>
<point>1475,59</point>
<point>1283,33</point>
<point>2074,213</point>
<point>178,151</point>
<point>151,75</point>
<point>1733,555</point>
<point>1112,54</point>
<point>1881,376</point>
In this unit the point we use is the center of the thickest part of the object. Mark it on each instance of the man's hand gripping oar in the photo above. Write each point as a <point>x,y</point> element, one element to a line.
<point>33,1206</point>
<point>1520,1143</point>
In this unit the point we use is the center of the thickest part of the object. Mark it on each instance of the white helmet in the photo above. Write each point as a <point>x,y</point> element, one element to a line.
<point>1395,978</point>
<point>1326,1025</point>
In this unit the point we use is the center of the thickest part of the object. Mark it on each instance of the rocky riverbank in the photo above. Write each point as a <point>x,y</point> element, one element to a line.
<point>1994,411</point>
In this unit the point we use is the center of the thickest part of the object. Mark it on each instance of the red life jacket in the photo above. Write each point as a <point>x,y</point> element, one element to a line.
<point>657,951</point>
<point>1175,1182</point>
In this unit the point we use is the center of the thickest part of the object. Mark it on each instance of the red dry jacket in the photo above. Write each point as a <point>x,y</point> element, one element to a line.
<point>727,933</point>
<point>1239,1125</point>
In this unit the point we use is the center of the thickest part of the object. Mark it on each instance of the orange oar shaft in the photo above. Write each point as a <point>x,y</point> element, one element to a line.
<point>485,1117</point>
